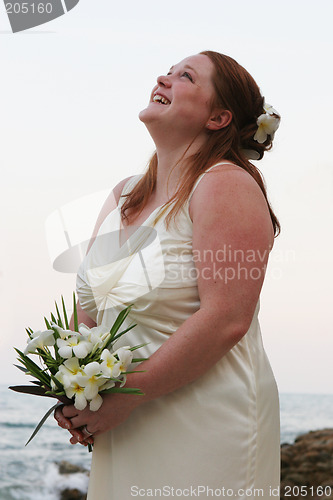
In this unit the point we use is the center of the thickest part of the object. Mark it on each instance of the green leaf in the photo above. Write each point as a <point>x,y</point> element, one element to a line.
<point>41,391</point>
<point>123,390</point>
<point>32,368</point>
<point>115,337</point>
<point>46,416</point>
<point>53,318</point>
<point>134,371</point>
<point>55,394</point>
<point>22,368</point>
<point>26,361</point>
<point>76,324</point>
<point>29,332</point>
<point>48,325</point>
<point>57,383</point>
<point>65,313</point>
<point>29,389</point>
<point>134,348</point>
<point>119,321</point>
<point>60,323</point>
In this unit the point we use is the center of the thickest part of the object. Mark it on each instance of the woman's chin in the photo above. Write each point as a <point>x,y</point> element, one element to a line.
<point>142,115</point>
<point>150,113</point>
<point>147,114</point>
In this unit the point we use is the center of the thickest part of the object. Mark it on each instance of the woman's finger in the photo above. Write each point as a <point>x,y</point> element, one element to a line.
<point>63,422</point>
<point>79,421</point>
<point>79,437</point>
<point>69,411</point>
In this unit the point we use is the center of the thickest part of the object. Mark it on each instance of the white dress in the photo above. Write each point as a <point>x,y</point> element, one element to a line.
<point>217,436</point>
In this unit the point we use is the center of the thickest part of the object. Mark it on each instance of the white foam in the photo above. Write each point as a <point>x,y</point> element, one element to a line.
<point>52,484</point>
<point>58,482</point>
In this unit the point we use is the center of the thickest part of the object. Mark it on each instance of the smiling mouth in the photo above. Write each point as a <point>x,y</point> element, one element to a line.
<point>160,99</point>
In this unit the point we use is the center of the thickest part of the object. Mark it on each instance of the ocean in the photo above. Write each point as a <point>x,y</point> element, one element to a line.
<point>31,473</point>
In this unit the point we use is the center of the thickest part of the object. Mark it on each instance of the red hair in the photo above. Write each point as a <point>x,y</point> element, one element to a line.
<point>236,91</point>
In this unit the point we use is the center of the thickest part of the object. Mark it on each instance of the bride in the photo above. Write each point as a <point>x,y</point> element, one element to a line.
<point>209,416</point>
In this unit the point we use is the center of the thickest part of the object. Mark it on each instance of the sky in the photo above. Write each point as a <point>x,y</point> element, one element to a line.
<point>71,93</point>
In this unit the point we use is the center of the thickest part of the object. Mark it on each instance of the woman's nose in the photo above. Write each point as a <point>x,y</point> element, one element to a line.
<point>163,81</point>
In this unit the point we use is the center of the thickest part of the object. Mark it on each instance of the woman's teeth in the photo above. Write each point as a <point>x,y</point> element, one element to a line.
<point>161,99</point>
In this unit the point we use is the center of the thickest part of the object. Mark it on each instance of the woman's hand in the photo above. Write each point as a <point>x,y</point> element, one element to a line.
<point>115,409</point>
<point>78,436</point>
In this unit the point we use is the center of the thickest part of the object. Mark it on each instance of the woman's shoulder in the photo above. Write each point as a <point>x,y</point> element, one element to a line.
<point>229,192</point>
<point>220,181</point>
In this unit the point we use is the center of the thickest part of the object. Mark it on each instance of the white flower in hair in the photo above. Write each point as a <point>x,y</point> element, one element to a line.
<point>268,123</point>
<point>270,110</point>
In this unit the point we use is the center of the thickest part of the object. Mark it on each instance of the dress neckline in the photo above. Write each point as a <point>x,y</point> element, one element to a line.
<point>123,228</point>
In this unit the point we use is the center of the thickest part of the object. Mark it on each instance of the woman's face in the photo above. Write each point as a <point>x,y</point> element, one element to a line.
<point>182,99</point>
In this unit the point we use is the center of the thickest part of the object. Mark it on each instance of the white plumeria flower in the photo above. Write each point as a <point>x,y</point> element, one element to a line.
<point>96,403</point>
<point>63,333</point>
<point>74,344</point>
<point>97,332</point>
<point>125,357</point>
<point>267,125</point>
<point>91,381</point>
<point>109,367</point>
<point>67,370</point>
<point>123,380</point>
<point>77,391</point>
<point>108,385</point>
<point>39,340</point>
<point>270,110</point>
<point>54,386</point>
<point>96,335</point>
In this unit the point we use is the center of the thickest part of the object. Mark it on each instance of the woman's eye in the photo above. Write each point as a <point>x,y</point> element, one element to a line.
<point>187,75</point>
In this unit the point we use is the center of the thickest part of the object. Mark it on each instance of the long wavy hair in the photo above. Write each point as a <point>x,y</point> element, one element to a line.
<point>236,91</point>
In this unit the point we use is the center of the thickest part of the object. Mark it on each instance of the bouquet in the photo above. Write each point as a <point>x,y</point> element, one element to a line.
<point>76,366</point>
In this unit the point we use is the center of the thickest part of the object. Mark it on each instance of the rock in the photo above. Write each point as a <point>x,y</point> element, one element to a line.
<point>308,462</point>
<point>72,494</point>
<point>68,468</point>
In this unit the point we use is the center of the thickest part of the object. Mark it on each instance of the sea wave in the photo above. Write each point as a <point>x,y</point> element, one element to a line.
<point>17,425</point>
<point>48,486</point>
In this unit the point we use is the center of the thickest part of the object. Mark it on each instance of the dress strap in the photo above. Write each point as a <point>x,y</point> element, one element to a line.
<point>201,176</point>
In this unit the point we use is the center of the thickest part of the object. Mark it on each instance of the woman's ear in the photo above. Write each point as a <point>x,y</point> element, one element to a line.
<point>219,120</point>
